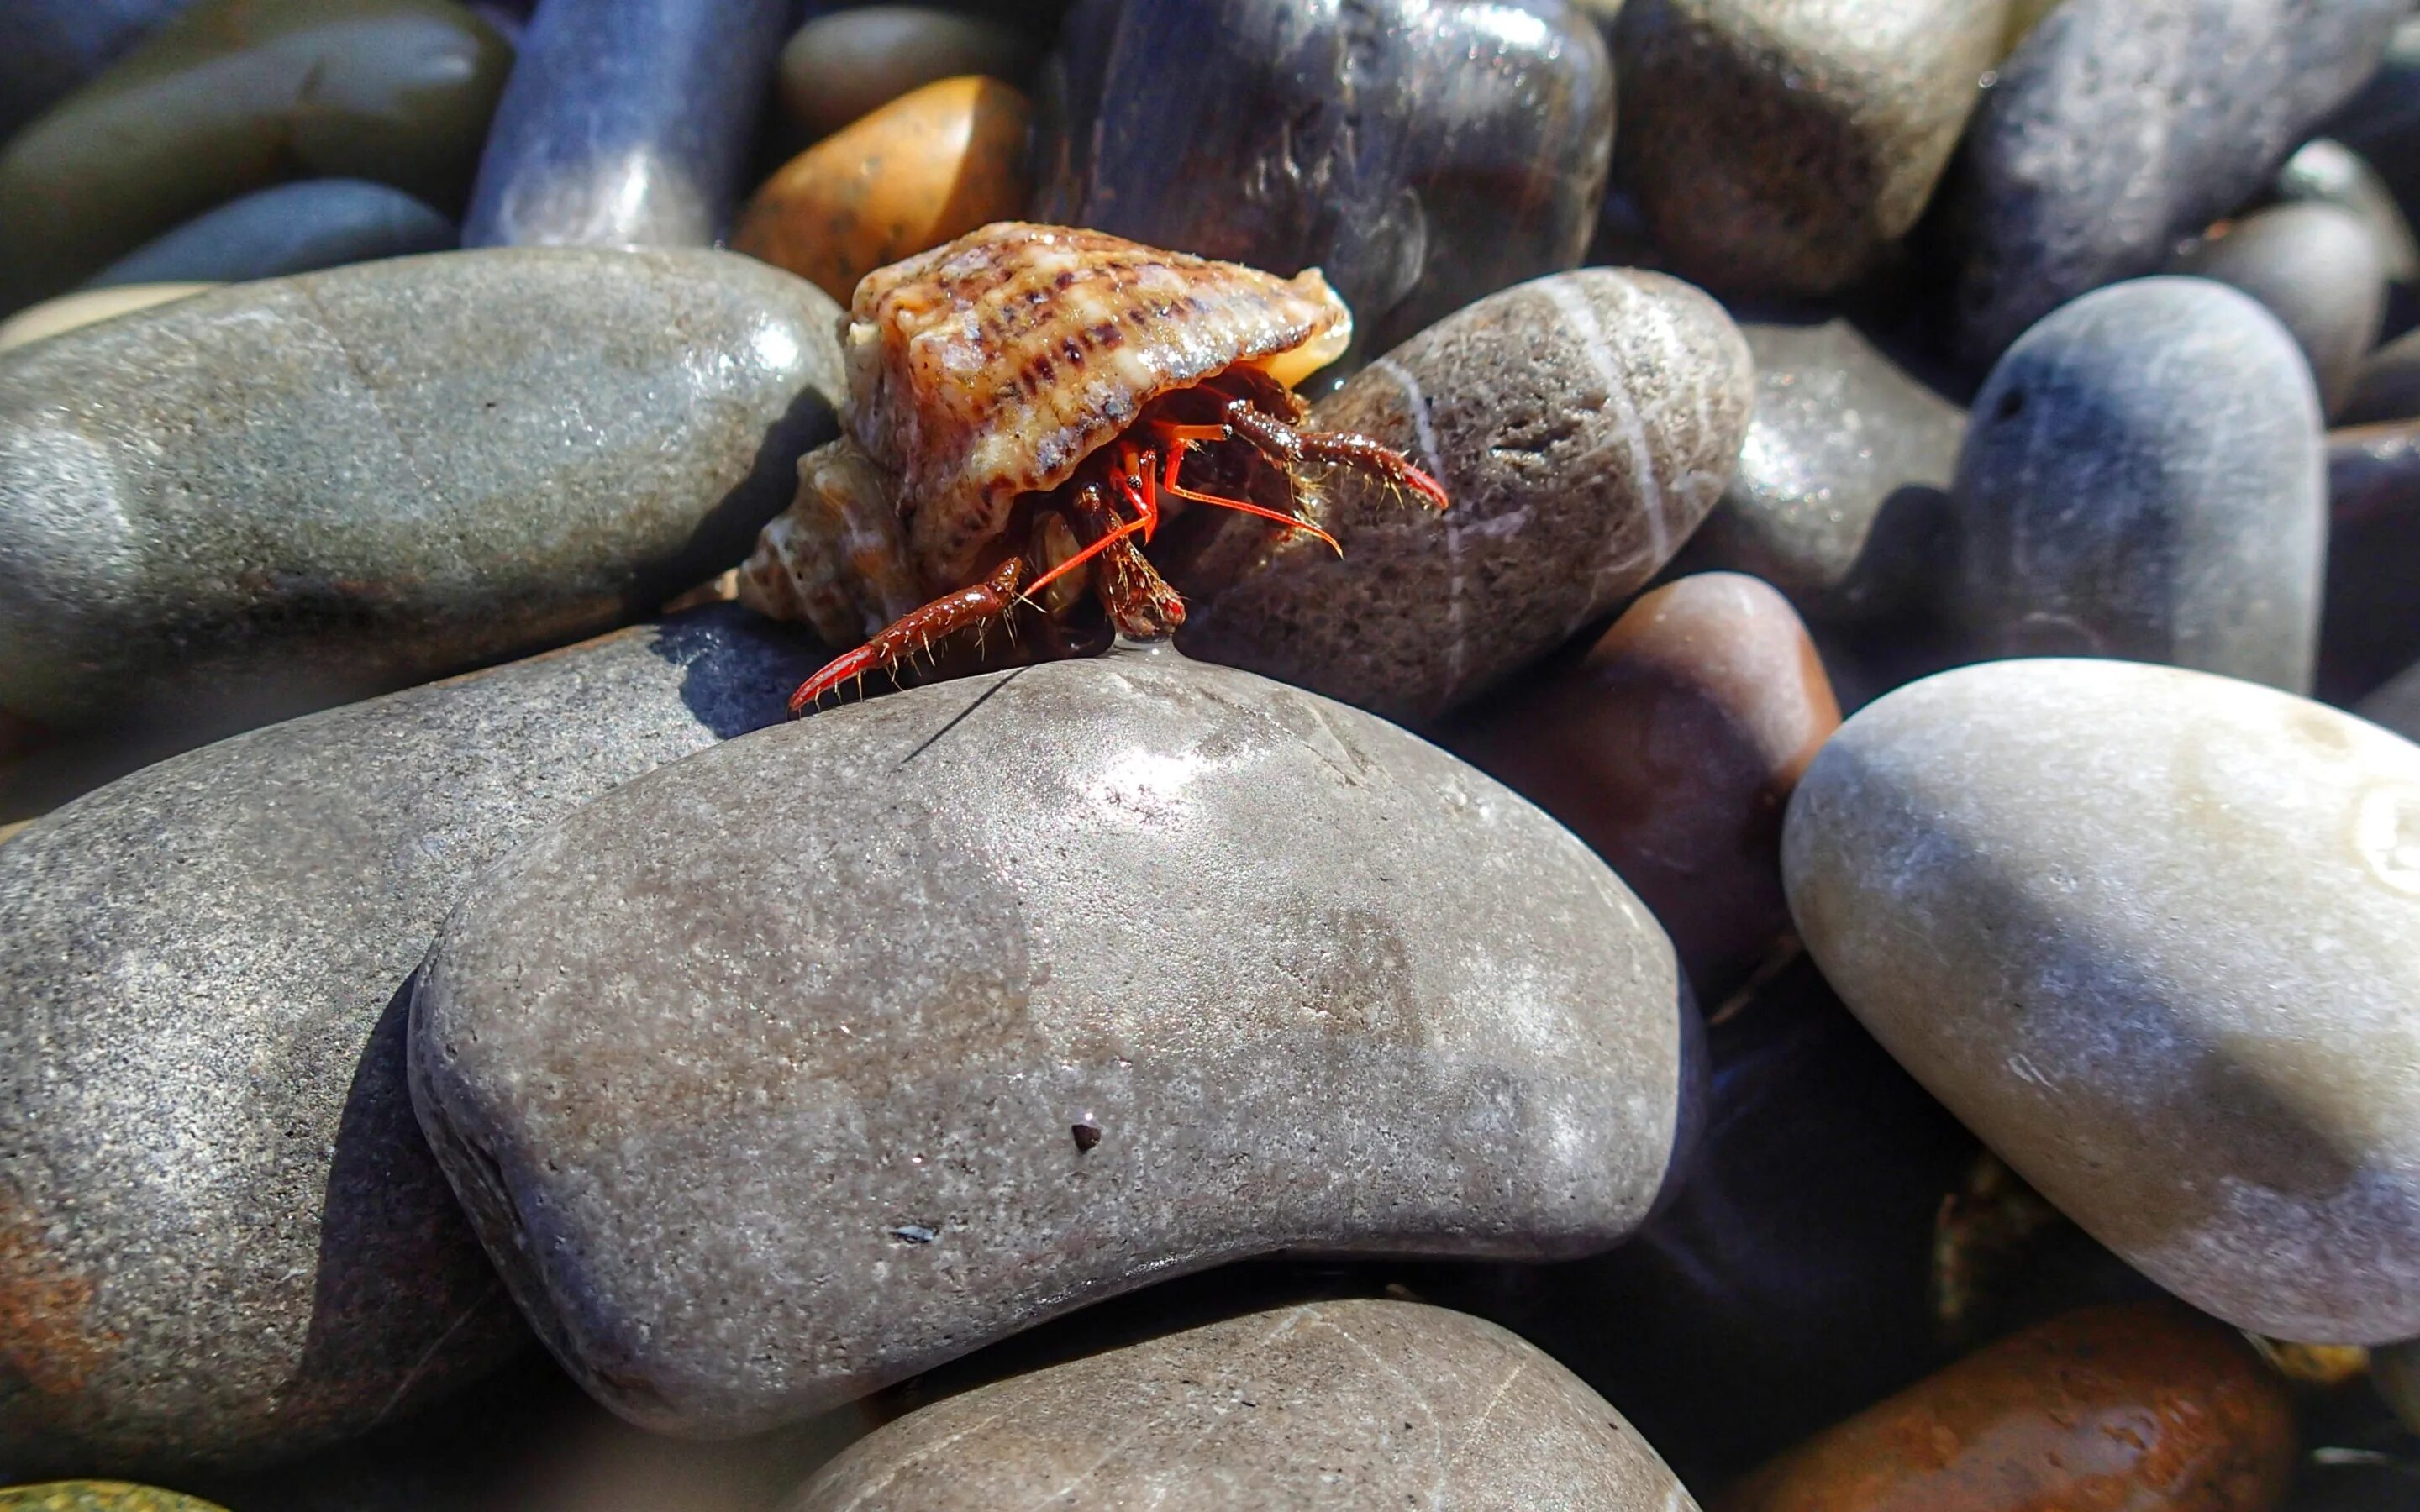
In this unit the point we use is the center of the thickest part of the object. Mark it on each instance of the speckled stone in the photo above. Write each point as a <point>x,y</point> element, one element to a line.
<point>1841,495</point>
<point>1347,1403</point>
<point>1583,426</point>
<point>2369,632</point>
<point>2155,937</point>
<point>844,64</point>
<point>625,124</point>
<point>1671,747</point>
<point>2145,1406</point>
<point>1421,153</point>
<point>2325,172</point>
<point>2388,384</point>
<point>294,228</point>
<point>235,95</point>
<point>1390,1009</point>
<point>2317,268</point>
<point>264,498</point>
<point>98,1496</point>
<point>1776,147</point>
<point>38,322</point>
<point>2143,477</point>
<point>2119,126</point>
<point>223,1239</point>
<point>54,45</point>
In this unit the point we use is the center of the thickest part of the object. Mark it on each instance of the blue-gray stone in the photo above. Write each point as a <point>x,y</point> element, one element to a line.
<point>54,45</point>
<point>2382,122</point>
<point>2119,125</point>
<point>294,228</point>
<point>2143,477</point>
<point>276,496</point>
<point>1421,154</point>
<point>2315,266</point>
<point>2329,173</point>
<point>223,1240</point>
<point>626,123</point>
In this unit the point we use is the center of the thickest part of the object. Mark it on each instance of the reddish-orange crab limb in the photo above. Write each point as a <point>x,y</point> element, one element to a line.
<point>916,631</point>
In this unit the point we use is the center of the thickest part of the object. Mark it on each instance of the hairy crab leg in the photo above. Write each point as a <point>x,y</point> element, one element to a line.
<point>1176,459</point>
<point>1281,443</point>
<point>917,630</point>
<point>1139,601</point>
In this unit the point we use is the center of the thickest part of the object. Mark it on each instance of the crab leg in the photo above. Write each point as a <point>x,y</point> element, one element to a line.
<point>1181,439</point>
<point>1139,601</point>
<point>916,630</point>
<point>1282,444</point>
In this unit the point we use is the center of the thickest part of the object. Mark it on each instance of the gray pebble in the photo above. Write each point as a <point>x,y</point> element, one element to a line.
<point>2329,173</point>
<point>843,63</point>
<point>272,497</point>
<point>2382,121</point>
<point>2142,478</point>
<point>2155,937</point>
<point>1344,1403</point>
<point>2119,126</point>
<point>1841,491</point>
<point>224,1238</point>
<point>2388,385</point>
<point>54,45</point>
<point>1583,424</point>
<point>707,1060</point>
<point>2318,269</point>
<point>294,228</point>
<point>1778,145</point>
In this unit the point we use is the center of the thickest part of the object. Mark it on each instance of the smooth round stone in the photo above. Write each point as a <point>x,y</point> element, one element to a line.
<point>1583,424</point>
<point>235,95</point>
<point>294,228</point>
<point>2143,477</point>
<point>2382,121</point>
<point>1777,147</point>
<point>2369,632</point>
<point>2144,1406</point>
<point>2119,126</point>
<point>1841,495</point>
<point>270,497</point>
<point>1360,1403</point>
<point>1399,1010</point>
<point>2329,173</point>
<point>2317,268</point>
<point>1421,153</point>
<point>54,45</point>
<point>2155,937</point>
<point>213,1154</point>
<point>70,312</point>
<point>625,124</point>
<point>846,64</point>
<point>2388,385</point>
<point>927,167</point>
<point>1671,748</point>
<point>98,1496</point>
<point>1792,1269</point>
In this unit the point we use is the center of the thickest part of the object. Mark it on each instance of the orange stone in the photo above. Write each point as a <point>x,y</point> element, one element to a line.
<point>931,165</point>
<point>2148,1407</point>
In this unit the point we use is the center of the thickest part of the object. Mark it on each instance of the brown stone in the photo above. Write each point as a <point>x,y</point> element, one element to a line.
<point>846,64</point>
<point>1671,747</point>
<point>1329,1404</point>
<point>2145,1406</point>
<point>930,166</point>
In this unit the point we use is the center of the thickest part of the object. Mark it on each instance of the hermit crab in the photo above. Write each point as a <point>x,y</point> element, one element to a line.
<point>1028,408</point>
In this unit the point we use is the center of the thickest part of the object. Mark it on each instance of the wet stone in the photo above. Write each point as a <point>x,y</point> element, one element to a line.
<point>2142,478</point>
<point>54,45</point>
<point>97,1496</point>
<point>269,497</point>
<point>625,124</point>
<point>294,228</point>
<point>1777,147</point>
<point>1583,426</point>
<point>846,64</point>
<point>1841,495</point>
<point>1383,1403</point>
<point>1420,154</point>
<point>2119,126</point>
<point>235,95</point>
<point>920,171</point>
<point>38,322</point>
<point>1391,1008</point>
<point>2317,268</point>
<point>2323,171</point>
<point>201,1019</point>
<point>2369,632</point>
<point>1671,748</point>
<point>2032,1422</point>
<point>2077,900</point>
